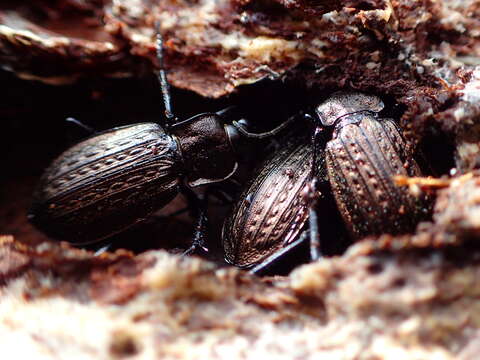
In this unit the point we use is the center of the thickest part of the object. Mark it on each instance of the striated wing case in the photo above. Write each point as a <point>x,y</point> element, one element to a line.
<point>362,160</point>
<point>272,210</point>
<point>106,183</point>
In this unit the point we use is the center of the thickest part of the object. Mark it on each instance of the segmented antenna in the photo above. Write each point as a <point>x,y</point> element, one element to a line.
<point>162,78</point>
<point>241,129</point>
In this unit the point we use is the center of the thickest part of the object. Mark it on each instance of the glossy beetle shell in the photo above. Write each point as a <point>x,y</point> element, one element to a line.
<point>107,183</point>
<point>272,210</point>
<point>362,159</point>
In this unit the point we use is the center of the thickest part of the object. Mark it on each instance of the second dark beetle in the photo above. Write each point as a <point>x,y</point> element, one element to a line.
<point>360,160</point>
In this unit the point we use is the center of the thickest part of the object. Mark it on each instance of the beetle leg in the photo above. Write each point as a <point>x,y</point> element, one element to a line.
<point>274,259</point>
<point>199,206</point>
<point>99,247</point>
<point>103,249</point>
<point>198,242</point>
<point>217,192</point>
<point>312,214</point>
<point>311,235</point>
<point>315,253</point>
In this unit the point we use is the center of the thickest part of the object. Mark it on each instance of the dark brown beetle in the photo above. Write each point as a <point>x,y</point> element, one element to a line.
<point>363,156</point>
<point>274,208</point>
<point>359,162</point>
<point>116,178</point>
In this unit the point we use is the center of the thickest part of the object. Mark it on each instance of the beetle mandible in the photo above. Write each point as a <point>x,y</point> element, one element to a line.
<point>116,178</point>
<point>358,163</point>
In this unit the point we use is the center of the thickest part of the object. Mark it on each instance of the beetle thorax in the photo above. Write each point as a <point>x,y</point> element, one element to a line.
<point>207,153</point>
<point>341,104</point>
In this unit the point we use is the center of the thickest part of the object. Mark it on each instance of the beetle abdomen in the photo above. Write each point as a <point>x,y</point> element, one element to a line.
<point>107,183</point>
<point>361,161</point>
<point>272,210</point>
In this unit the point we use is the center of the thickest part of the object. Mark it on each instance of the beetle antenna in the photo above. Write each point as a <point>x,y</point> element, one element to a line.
<point>162,78</point>
<point>241,129</point>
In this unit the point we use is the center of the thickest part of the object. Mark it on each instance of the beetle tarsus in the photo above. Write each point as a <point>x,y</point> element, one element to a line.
<point>198,205</point>
<point>315,252</point>
<point>103,249</point>
<point>198,243</point>
<point>265,266</point>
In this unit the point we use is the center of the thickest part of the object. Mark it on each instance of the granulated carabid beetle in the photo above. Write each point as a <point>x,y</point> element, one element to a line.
<point>358,162</point>
<point>274,208</point>
<point>363,156</point>
<point>118,177</point>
